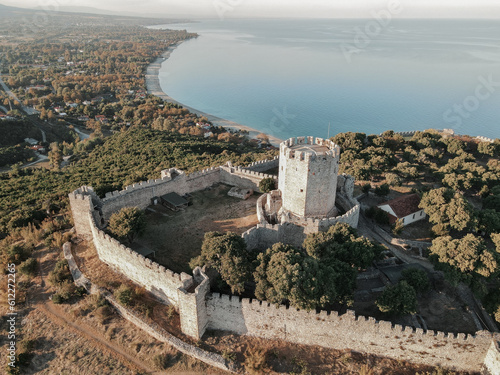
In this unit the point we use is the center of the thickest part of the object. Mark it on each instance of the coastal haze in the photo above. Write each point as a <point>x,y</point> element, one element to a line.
<point>291,77</point>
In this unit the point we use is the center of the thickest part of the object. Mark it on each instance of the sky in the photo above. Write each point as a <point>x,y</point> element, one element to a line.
<point>280,8</point>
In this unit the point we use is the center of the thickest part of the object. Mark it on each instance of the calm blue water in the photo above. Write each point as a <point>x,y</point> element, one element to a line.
<point>294,77</point>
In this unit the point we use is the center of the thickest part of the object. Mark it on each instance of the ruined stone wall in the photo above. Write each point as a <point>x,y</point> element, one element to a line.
<point>261,201</point>
<point>152,329</point>
<point>362,334</point>
<point>263,165</point>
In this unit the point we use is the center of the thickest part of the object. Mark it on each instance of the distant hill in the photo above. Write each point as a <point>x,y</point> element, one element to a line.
<point>7,11</point>
<point>89,10</point>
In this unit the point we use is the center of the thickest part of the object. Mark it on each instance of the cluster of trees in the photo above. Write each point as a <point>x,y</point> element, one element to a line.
<point>120,160</point>
<point>401,298</point>
<point>318,274</point>
<point>467,248</point>
<point>107,61</point>
<point>458,163</point>
<point>462,170</point>
<point>127,223</point>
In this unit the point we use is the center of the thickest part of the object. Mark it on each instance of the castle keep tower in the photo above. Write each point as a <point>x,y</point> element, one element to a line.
<point>308,171</point>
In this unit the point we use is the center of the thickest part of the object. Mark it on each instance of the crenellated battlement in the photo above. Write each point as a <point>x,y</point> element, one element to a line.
<point>251,173</point>
<point>351,320</point>
<point>295,148</point>
<point>348,331</point>
<point>123,251</point>
<point>202,173</point>
<point>263,165</point>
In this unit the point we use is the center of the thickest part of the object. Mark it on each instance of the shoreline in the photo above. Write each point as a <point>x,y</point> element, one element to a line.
<point>153,87</point>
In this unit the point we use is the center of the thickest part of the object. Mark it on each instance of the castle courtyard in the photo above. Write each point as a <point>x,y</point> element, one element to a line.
<point>176,237</point>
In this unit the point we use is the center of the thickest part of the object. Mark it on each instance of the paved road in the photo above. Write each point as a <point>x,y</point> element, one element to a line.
<point>81,134</point>
<point>34,122</point>
<point>364,228</point>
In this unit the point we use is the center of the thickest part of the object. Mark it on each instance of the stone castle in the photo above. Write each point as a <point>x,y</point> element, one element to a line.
<point>309,197</point>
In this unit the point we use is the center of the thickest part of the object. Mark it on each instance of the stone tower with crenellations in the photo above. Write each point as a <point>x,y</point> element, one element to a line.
<point>308,171</point>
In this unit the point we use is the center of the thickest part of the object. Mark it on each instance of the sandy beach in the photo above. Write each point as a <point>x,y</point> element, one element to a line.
<point>154,88</point>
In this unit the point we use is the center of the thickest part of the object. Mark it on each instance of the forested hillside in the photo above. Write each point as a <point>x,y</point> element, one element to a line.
<point>120,160</point>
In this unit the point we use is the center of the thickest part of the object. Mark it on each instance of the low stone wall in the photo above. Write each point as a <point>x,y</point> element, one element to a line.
<point>263,236</point>
<point>351,217</point>
<point>255,318</point>
<point>212,359</point>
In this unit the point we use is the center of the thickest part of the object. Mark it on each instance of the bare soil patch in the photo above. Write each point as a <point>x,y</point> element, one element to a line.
<point>177,236</point>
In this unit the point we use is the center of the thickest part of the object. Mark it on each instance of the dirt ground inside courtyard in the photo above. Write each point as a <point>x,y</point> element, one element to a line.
<point>176,237</point>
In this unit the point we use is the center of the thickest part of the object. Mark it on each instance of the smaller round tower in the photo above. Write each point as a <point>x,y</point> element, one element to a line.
<point>308,172</point>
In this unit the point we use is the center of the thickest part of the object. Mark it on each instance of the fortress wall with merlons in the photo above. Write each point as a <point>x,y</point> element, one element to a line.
<point>260,319</point>
<point>263,165</point>
<point>199,310</point>
<point>140,194</point>
<point>158,280</point>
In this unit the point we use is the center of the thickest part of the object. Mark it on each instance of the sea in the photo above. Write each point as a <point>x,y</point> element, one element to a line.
<point>319,77</point>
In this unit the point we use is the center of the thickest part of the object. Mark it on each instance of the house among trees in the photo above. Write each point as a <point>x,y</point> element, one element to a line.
<point>404,208</point>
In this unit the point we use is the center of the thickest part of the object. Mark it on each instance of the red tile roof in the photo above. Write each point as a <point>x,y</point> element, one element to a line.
<point>404,205</point>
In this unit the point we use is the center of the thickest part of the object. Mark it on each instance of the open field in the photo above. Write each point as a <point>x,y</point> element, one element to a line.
<point>75,337</point>
<point>177,236</point>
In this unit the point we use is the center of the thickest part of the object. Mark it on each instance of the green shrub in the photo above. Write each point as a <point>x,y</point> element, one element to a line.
<point>104,312</point>
<point>18,254</point>
<point>267,184</point>
<point>398,299</point>
<point>416,278</point>
<point>366,188</point>
<point>66,290</point>
<point>28,267</point>
<point>382,190</point>
<point>60,274</point>
<point>125,295</point>
<point>255,360</point>
<point>228,355</point>
<point>381,217</point>
<point>162,361</point>
<point>57,299</point>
